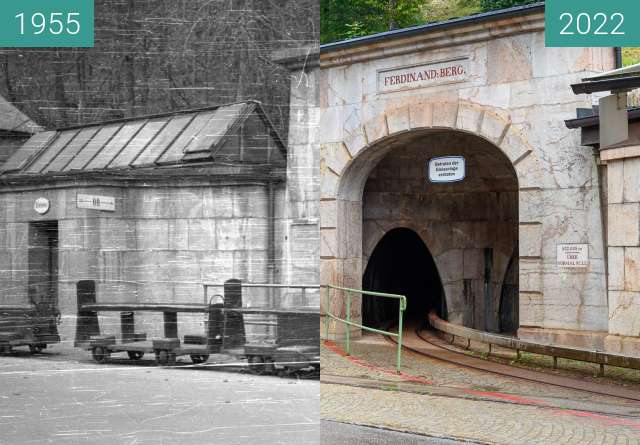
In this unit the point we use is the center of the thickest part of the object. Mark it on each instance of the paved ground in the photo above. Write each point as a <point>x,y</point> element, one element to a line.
<point>336,433</point>
<point>58,399</point>
<point>443,400</point>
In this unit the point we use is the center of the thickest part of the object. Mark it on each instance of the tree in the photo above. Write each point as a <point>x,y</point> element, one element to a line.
<point>345,19</point>
<point>156,56</point>
<point>489,5</point>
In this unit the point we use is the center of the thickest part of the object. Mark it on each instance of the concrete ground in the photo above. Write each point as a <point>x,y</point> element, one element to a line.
<point>63,397</point>
<point>336,433</point>
<point>440,399</point>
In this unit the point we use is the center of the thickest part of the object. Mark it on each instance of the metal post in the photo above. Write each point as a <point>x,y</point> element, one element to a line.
<point>304,296</point>
<point>348,326</point>
<point>555,362</point>
<point>326,315</point>
<point>399,353</point>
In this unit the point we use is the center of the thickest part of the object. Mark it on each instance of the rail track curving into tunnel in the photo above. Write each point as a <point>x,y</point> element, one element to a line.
<point>427,344</point>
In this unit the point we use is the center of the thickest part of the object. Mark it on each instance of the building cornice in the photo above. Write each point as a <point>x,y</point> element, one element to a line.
<point>450,33</point>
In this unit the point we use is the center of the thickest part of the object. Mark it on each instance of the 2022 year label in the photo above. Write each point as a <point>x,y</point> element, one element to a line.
<point>595,23</point>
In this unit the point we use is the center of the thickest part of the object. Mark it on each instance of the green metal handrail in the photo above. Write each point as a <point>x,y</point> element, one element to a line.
<point>402,306</point>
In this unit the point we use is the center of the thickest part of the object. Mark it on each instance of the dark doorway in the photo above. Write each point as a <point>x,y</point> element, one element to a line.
<point>509,300</point>
<point>401,264</point>
<point>43,265</point>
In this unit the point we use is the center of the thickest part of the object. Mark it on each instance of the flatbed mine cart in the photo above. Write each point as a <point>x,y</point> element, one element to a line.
<point>27,325</point>
<point>290,340</point>
<point>136,344</point>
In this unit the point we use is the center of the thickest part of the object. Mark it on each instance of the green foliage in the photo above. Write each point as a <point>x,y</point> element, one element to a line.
<point>345,19</point>
<point>437,10</point>
<point>489,5</point>
<point>630,56</point>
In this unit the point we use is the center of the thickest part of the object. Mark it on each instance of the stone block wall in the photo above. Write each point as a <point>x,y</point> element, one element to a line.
<point>300,208</point>
<point>623,237</point>
<point>159,245</point>
<point>456,221</point>
<point>520,107</point>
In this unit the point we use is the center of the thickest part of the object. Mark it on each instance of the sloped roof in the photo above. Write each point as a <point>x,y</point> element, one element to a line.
<point>215,134</point>
<point>14,120</point>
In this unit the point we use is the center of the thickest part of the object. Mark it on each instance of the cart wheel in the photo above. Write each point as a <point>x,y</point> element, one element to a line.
<point>162,356</point>
<point>199,358</point>
<point>135,355</point>
<point>100,354</point>
<point>269,366</point>
<point>172,359</point>
<point>36,349</point>
<point>256,364</point>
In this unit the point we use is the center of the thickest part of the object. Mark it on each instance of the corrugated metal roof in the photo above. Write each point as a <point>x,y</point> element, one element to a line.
<point>195,135</point>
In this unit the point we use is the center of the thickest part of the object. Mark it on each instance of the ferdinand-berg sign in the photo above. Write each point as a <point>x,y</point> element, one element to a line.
<point>425,75</point>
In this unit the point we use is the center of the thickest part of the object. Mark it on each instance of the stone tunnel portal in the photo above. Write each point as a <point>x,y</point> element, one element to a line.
<point>401,263</point>
<point>452,247</point>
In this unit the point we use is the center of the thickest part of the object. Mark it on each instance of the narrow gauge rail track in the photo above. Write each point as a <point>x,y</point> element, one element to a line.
<point>427,344</point>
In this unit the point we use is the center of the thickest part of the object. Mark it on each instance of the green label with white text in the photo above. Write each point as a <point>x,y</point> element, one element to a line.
<point>583,23</point>
<point>46,23</point>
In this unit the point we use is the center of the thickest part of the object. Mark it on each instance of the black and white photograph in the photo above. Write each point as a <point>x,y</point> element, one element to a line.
<point>159,228</point>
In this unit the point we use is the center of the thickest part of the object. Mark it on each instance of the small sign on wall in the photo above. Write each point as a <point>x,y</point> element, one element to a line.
<point>41,205</point>
<point>96,202</point>
<point>572,255</point>
<point>447,169</point>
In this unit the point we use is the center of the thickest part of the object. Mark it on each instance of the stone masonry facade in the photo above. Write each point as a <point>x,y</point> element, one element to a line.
<point>515,96</point>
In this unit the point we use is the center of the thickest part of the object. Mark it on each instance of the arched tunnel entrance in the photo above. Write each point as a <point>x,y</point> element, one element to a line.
<point>402,264</point>
<point>449,246</point>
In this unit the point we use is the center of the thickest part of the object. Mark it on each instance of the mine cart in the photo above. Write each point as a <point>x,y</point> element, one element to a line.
<point>290,342</point>
<point>293,345</point>
<point>273,337</point>
<point>136,344</point>
<point>29,325</point>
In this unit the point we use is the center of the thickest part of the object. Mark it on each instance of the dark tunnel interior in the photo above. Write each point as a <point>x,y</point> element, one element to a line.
<point>401,264</point>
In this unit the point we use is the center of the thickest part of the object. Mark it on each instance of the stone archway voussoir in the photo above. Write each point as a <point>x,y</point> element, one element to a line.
<point>514,146</point>
<point>376,128</point>
<point>398,120</point>
<point>355,141</point>
<point>469,117</point>
<point>445,114</point>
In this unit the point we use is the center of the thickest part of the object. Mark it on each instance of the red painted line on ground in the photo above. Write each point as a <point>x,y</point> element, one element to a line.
<point>406,377</point>
<point>612,421</point>
<point>510,397</point>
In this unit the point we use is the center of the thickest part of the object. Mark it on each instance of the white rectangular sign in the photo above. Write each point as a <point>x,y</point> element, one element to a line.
<point>447,169</point>
<point>425,75</point>
<point>96,202</point>
<point>572,255</point>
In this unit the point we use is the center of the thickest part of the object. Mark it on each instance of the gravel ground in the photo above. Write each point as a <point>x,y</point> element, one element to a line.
<point>563,416</point>
<point>46,399</point>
